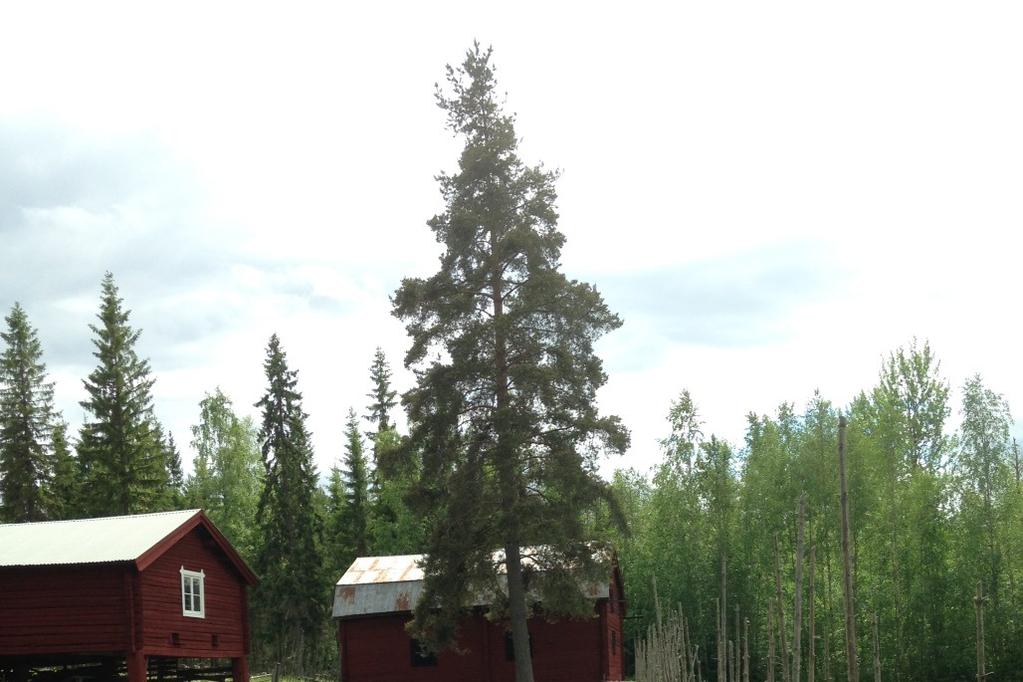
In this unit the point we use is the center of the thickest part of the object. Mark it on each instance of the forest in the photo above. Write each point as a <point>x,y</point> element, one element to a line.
<point>744,539</point>
<point>934,513</point>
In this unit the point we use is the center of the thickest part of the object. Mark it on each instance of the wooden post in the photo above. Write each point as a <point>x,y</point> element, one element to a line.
<point>812,661</point>
<point>852,663</point>
<point>240,669</point>
<point>797,610</point>
<point>137,667</point>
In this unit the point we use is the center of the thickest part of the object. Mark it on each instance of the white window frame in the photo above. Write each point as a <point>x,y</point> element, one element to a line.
<point>199,576</point>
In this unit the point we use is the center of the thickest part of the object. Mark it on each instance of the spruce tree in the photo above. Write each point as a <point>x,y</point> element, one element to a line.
<point>175,475</point>
<point>348,504</point>
<point>65,491</point>
<point>289,600</point>
<point>26,415</point>
<point>356,482</point>
<point>382,395</point>
<point>337,555</point>
<point>119,448</point>
<point>504,407</point>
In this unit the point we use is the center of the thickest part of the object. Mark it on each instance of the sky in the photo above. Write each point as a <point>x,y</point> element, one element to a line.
<point>773,196</point>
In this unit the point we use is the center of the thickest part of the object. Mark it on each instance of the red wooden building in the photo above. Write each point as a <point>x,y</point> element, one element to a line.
<point>133,593</point>
<point>373,602</point>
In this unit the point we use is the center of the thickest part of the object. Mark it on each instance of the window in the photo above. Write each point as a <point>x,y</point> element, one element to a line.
<point>193,597</point>
<point>421,658</point>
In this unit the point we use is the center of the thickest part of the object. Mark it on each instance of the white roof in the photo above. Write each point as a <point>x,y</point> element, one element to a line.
<point>86,541</point>
<point>389,584</point>
<point>366,570</point>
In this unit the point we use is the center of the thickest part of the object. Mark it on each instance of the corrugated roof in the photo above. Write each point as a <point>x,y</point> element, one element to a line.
<point>389,584</point>
<point>383,569</point>
<point>86,541</point>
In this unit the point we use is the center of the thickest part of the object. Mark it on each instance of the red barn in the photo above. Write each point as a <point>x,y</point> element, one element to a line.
<point>374,599</point>
<point>133,592</point>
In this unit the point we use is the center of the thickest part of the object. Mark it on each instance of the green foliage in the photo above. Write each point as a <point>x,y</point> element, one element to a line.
<point>26,417</point>
<point>502,342</point>
<point>64,492</point>
<point>289,603</point>
<point>175,475</point>
<point>382,395</point>
<point>395,527</point>
<point>348,504</point>
<point>227,472</point>
<point>119,448</point>
<point>932,515</point>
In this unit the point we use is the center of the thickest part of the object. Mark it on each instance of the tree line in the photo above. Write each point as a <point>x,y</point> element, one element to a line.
<point>257,482</point>
<point>935,516</point>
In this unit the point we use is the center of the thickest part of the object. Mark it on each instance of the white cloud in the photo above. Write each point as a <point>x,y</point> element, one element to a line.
<point>247,169</point>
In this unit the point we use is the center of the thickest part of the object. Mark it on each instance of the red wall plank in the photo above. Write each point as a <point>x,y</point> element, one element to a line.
<point>62,609</point>
<point>376,649</point>
<point>159,602</point>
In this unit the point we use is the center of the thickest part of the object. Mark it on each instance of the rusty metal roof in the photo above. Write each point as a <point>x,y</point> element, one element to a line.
<point>383,569</point>
<point>393,584</point>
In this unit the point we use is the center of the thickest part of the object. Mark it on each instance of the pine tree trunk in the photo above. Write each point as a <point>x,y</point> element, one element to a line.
<point>508,480</point>
<point>853,665</point>
<point>517,611</point>
<point>770,642</point>
<point>797,617</point>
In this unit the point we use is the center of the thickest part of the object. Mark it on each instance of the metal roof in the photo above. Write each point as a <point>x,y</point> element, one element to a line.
<point>383,569</point>
<point>87,541</point>
<point>390,584</point>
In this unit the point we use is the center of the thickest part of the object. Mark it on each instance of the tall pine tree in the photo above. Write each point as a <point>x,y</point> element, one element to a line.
<point>120,450</point>
<point>382,396</point>
<point>26,416</point>
<point>504,409</point>
<point>289,600</point>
